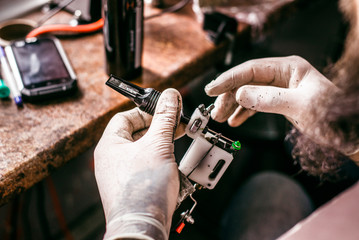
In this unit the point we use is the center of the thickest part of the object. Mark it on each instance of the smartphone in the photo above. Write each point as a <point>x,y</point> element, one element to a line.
<point>41,68</point>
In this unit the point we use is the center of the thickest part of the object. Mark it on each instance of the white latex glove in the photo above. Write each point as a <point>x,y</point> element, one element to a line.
<point>136,172</point>
<point>289,86</point>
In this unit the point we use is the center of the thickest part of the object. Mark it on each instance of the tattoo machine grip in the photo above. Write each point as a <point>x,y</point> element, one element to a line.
<point>145,98</point>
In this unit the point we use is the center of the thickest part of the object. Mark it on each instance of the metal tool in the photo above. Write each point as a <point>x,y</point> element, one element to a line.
<point>210,153</point>
<point>186,216</point>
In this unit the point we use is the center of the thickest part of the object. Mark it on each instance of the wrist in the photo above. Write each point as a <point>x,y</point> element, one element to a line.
<point>135,226</point>
<point>355,157</point>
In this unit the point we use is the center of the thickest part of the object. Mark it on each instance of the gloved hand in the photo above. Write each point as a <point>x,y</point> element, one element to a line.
<point>136,172</point>
<point>289,86</point>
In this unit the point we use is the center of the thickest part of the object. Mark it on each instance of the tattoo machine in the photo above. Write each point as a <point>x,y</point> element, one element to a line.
<point>210,153</point>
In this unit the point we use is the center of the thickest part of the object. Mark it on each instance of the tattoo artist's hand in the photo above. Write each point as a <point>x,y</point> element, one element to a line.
<point>136,172</point>
<point>289,86</point>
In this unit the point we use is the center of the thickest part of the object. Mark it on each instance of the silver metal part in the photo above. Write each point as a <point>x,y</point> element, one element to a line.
<point>208,110</point>
<point>187,215</point>
<point>195,126</point>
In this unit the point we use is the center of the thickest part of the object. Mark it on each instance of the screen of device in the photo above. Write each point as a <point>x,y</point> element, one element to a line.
<point>40,64</point>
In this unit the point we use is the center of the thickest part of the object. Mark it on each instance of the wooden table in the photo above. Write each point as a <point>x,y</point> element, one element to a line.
<point>39,138</point>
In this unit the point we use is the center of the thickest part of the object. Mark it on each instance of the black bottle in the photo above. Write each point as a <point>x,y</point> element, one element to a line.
<point>123,37</point>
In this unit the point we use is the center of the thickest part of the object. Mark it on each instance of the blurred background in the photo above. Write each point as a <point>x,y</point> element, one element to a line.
<point>66,205</point>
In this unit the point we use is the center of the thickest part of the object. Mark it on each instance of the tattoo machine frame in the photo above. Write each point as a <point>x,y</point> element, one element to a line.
<point>210,153</point>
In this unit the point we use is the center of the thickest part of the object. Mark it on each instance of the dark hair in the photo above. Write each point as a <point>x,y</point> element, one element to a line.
<point>339,113</point>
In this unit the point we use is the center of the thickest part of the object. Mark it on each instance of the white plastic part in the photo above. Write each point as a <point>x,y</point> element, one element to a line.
<point>199,117</point>
<point>204,162</point>
<point>194,155</point>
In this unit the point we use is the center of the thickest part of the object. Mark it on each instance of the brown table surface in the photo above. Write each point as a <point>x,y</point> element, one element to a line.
<point>41,137</point>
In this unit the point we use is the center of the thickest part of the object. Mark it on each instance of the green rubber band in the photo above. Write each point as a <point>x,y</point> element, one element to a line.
<point>236,145</point>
